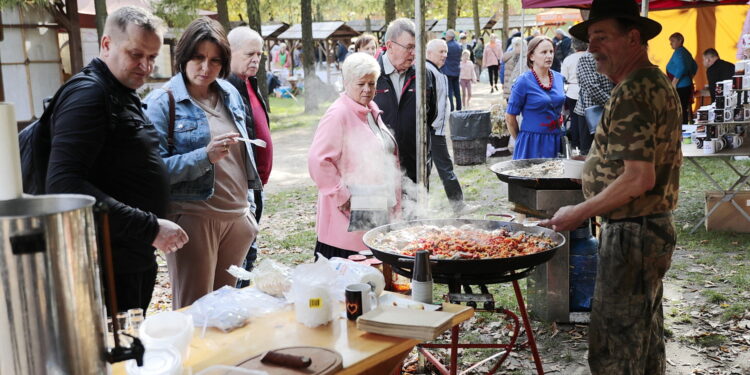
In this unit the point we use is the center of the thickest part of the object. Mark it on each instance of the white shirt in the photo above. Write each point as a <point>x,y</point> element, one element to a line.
<point>568,70</point>
<point>396,78</point>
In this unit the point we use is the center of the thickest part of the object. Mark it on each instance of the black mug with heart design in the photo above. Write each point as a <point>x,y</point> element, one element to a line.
<point>360,298</point>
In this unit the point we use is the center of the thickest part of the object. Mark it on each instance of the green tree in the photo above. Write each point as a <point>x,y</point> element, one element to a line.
<point>475,14</point>
<point>253,21</point>
<point>308,59</point>
<point>101,16</point>
<point>223,13</point>
<point>451,14</point>
<point>390,10</point>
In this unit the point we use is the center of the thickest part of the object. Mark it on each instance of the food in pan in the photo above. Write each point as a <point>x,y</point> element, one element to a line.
<point>548,169</point>
<point>464,242</point>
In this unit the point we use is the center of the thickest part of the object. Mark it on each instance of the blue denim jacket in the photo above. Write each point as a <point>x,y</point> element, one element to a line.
<point>191,174</point>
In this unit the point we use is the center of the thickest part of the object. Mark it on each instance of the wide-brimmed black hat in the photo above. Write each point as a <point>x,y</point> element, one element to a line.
<point>625,9</point>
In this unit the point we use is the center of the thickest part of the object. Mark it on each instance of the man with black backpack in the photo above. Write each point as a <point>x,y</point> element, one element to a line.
<point>103,145</point>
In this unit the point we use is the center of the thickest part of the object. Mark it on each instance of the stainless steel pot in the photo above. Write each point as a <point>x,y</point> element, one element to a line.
<point>51,310</point>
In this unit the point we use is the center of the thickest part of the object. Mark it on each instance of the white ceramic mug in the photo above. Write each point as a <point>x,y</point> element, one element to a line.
<point>709,146</point>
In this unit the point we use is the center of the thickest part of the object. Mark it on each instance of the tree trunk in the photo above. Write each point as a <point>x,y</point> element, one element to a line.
<point>223,14</point>
<point>475,10</point>
<point>506,31</point>
<point>253,21</point>
<point>452,15</point>
<point>308,59</point>
<point>74,36</point>
<point>100,6</point>
<point>390,11</point>
<point>368,25</point>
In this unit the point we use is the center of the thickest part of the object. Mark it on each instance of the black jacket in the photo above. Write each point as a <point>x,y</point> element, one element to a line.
<point>401,116</point>
<point>239,84</point>
<point>104,146</point>
<point>718,71</point>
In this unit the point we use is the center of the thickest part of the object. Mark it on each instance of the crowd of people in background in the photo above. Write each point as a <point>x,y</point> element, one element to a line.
<point>363,159</point>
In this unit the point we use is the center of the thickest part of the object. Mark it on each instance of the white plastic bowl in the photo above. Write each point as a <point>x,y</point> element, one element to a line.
<point>168,329</point>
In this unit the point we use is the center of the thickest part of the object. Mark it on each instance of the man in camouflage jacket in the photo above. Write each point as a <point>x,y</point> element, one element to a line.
<point>631,180</point>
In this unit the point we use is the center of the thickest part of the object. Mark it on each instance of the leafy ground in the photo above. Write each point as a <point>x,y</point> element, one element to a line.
<point>707,298</point>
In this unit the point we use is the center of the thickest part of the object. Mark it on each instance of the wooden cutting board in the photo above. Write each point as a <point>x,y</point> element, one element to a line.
<point>324,362</point>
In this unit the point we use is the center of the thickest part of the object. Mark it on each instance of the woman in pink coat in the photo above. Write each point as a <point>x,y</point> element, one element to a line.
<point>493,55</point>
<point>354,162</point>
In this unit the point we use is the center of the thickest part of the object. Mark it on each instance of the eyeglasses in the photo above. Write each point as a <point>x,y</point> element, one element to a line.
<point>408,49</point>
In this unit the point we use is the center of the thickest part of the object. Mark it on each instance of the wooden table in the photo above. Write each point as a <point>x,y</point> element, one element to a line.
<point>363,353</point>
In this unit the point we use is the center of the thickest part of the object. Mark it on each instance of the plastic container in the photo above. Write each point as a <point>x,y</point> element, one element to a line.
<point>583,265</point>
<point>157,361</point>
<point>167,329</point>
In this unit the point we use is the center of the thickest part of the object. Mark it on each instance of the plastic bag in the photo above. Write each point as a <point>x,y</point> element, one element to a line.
<point>310,292</point>
<point>272,277</point>
<point>229,308</point>
<point>349,272</point>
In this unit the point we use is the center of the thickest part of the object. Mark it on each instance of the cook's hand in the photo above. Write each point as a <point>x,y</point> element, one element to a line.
<point>565,219</point>
<point>218,148</point>
<point>170,238</point>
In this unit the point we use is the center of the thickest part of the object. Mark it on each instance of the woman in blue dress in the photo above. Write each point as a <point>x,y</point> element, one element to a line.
<point>538,96</point>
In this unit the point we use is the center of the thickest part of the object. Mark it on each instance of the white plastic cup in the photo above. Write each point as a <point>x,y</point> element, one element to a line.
<point>312,306</point>
<point>167,329</point>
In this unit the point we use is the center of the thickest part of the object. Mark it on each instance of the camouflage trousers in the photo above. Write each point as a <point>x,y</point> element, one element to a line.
<point>626,334</point>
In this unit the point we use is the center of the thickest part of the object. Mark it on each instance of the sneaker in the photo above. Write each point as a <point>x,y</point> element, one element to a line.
<point>492,89</point>
<point>463,209</point>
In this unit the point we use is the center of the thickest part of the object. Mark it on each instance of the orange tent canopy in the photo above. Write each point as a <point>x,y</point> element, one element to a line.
<point>559,16</point>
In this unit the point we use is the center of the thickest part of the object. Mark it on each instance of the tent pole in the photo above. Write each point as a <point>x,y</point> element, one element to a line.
<point>644,8</point>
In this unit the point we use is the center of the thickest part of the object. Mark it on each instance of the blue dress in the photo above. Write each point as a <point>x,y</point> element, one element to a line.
<point>540,133</point>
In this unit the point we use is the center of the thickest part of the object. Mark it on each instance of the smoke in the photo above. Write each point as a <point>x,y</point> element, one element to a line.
<point>410,207</point>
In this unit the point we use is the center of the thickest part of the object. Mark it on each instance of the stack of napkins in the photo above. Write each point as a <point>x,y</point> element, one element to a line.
<point>416,324</point>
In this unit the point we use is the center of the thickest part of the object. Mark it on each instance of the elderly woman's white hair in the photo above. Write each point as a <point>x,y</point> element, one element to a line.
<point>358,65</point>
<point>516,42</point>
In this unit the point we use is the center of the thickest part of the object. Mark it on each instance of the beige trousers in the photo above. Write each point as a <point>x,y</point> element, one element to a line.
<point>200,267</point>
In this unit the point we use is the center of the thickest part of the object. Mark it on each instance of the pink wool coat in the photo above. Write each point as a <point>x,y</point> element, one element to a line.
<point>344,152</point>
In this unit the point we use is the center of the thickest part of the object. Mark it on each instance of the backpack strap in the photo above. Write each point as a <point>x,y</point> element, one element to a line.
<point>170,129</point>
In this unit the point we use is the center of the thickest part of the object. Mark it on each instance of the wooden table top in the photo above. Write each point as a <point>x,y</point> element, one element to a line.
<point>360,350</point>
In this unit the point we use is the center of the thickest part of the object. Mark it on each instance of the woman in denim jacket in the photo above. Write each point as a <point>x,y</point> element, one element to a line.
<point>211,172</point>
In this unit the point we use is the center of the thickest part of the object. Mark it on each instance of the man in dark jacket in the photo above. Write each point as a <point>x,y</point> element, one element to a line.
<point>247,49</point>
<point>562,49</point>
<point>716,70</point>
<point>452,69</point>
<point>104,146</point>
<point>396,93</point>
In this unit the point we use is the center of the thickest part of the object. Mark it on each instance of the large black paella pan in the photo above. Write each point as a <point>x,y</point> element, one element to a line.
<point>473,271</point>
<point>571,169</point>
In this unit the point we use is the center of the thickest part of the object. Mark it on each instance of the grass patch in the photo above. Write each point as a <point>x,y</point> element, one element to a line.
<point>711,340</point>
<point>741,278</point>
<point>285,200</point>
<point>715,297</point>
<point>735,311</point>
<point>288,113</point>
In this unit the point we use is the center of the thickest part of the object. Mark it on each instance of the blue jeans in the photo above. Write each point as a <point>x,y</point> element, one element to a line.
<point>454,90</point>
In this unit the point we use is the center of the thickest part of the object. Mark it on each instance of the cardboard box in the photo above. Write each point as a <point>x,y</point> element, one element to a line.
<point>726,217</point>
